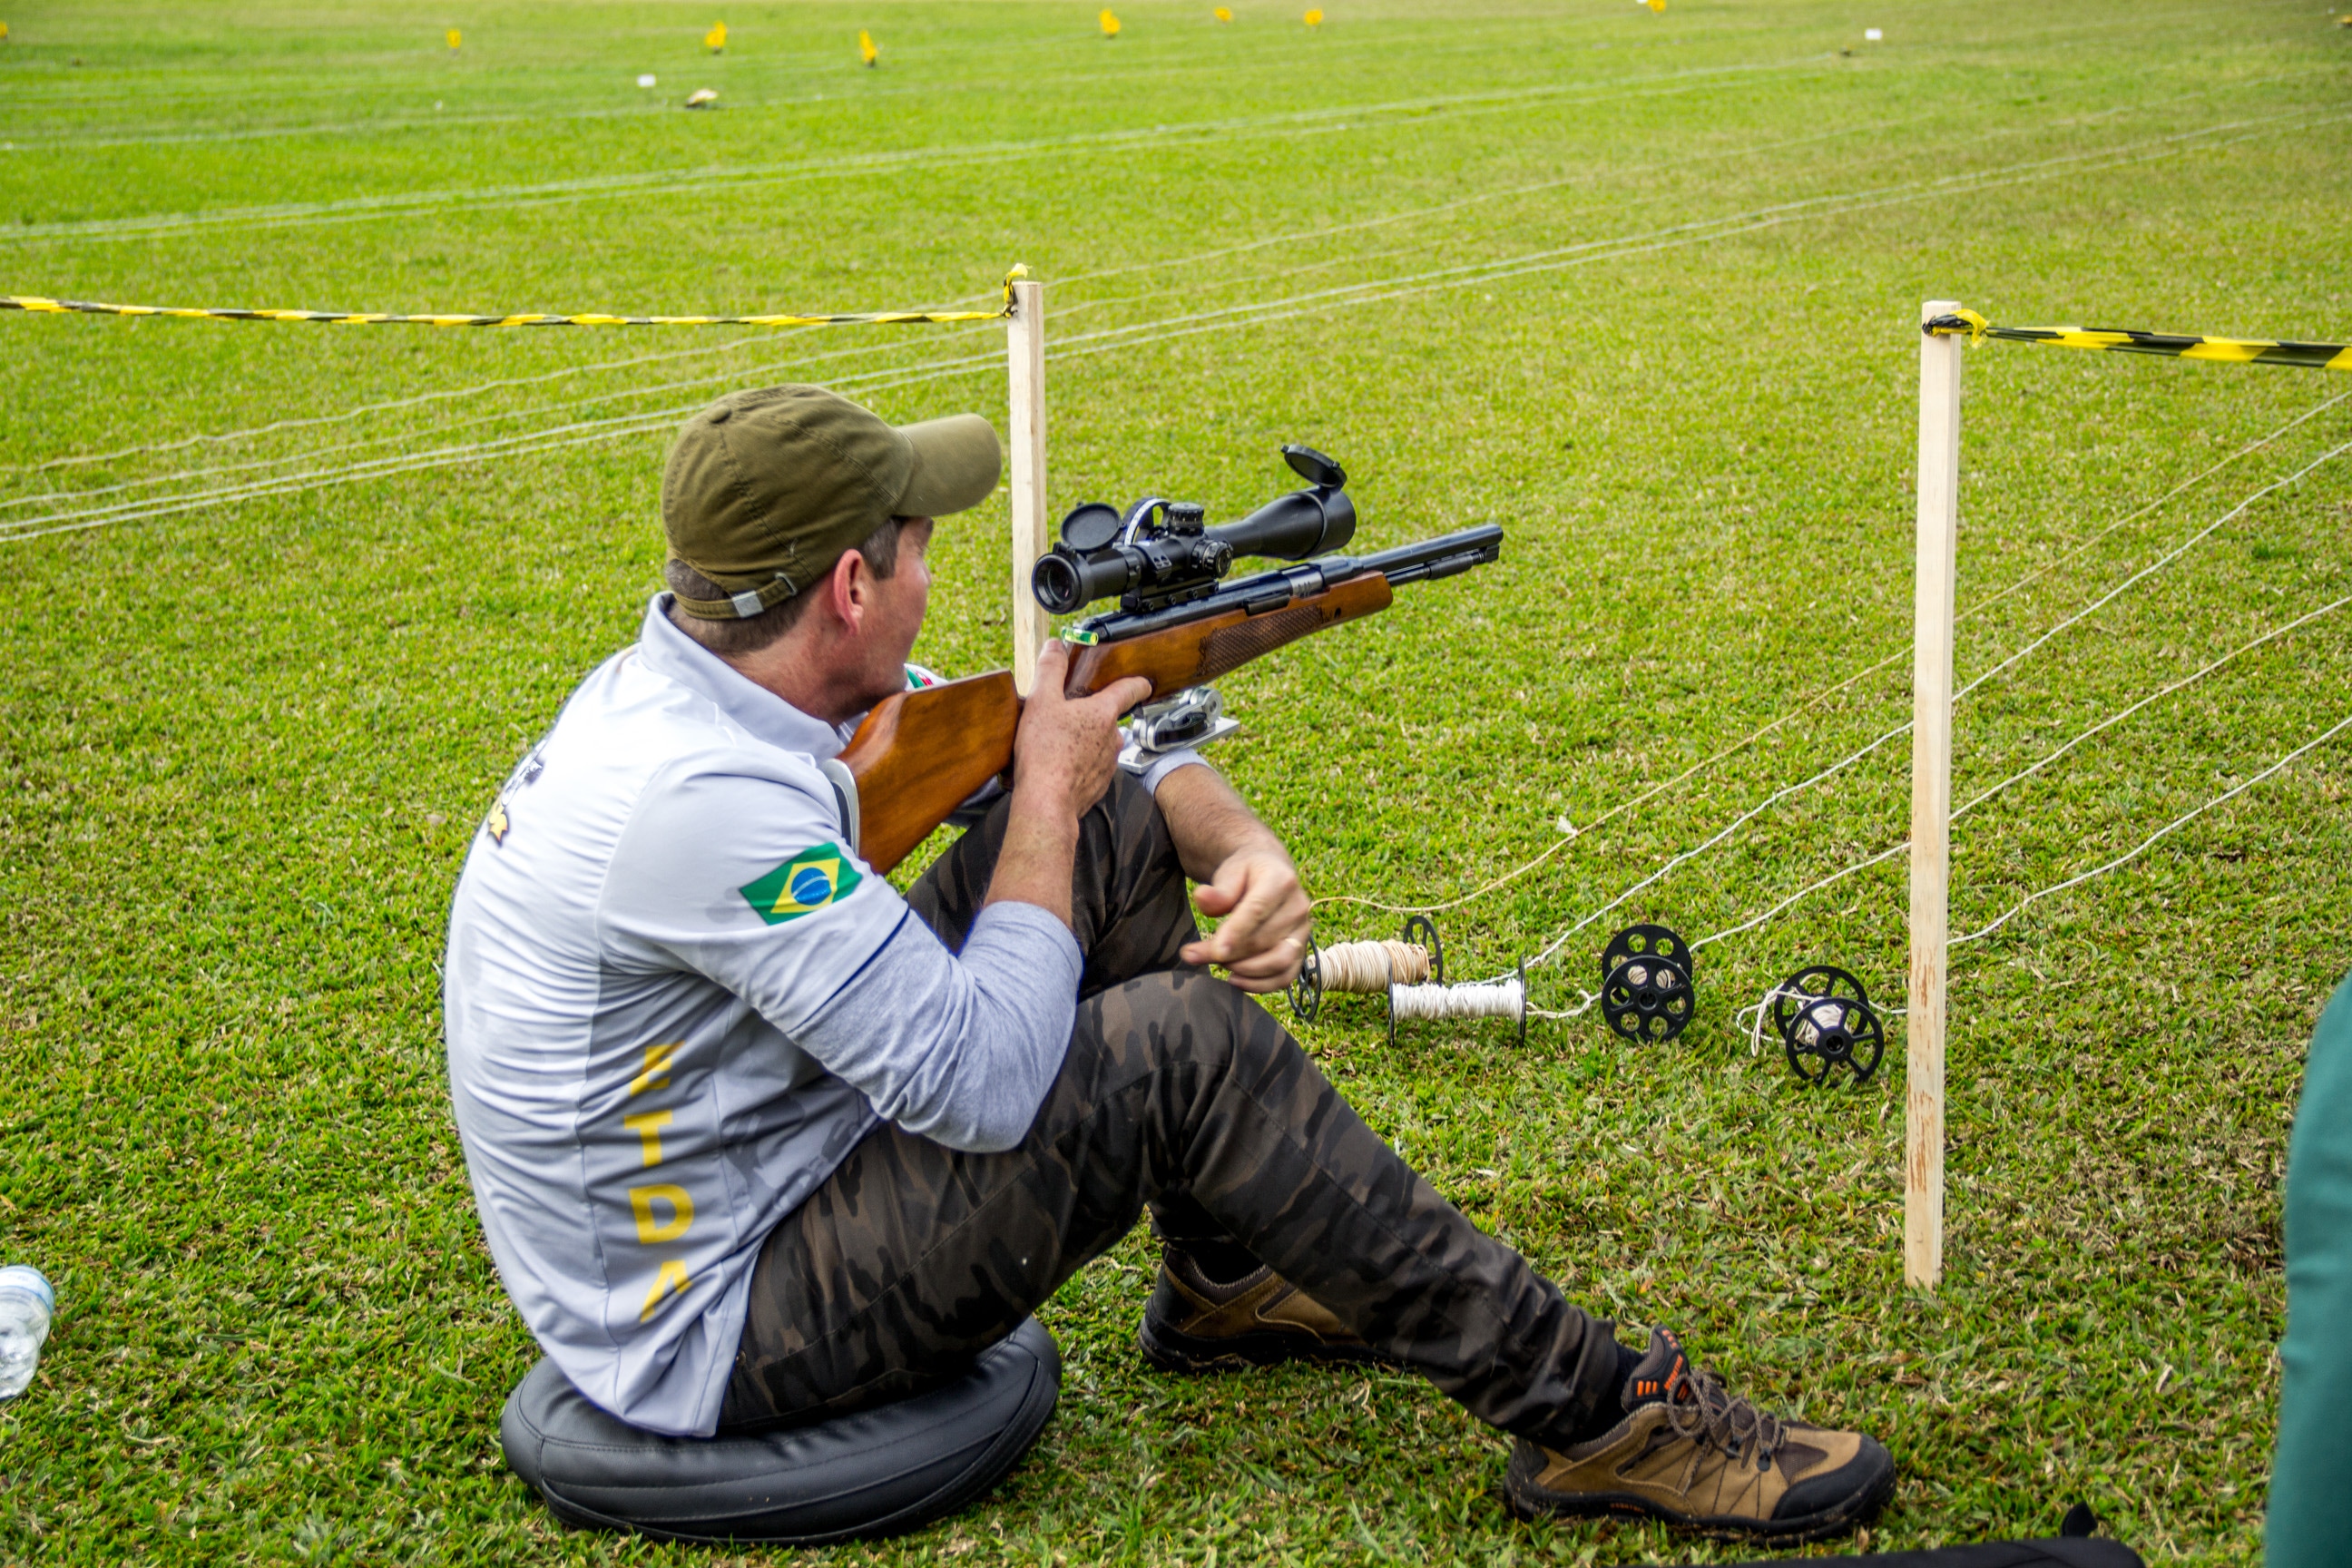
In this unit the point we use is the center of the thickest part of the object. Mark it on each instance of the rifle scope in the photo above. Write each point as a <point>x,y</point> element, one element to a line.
<point>1159,554</point>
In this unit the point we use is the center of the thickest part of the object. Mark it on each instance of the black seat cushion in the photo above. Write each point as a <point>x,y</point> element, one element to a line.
<point>872,1473</point>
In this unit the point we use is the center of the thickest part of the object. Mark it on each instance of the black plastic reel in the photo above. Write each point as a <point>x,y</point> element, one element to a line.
<point>1307,987</point>
<point>1647,990</point>
<point>1826,1021</point>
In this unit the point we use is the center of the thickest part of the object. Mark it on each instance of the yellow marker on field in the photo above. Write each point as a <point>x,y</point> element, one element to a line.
<point>1223,13</point>
<point>3,29</point>
<point>717,37</point>
<point>1110,23</point>
<point>1314,18</point>
<point>455,38</point>
<point>865,49</point>
<point>1657,5</point>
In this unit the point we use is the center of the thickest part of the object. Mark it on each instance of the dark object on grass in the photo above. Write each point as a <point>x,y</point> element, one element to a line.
<point>872,1473</point>
<point>2072,1548</point>
<point>1826,1021</point>
<point>1647,980</point>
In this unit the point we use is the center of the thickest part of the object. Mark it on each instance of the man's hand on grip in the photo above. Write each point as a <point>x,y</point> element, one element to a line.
<point>1066,748</point>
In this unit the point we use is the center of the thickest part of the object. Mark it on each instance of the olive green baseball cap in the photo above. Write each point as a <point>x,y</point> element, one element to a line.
<point>767,488</point>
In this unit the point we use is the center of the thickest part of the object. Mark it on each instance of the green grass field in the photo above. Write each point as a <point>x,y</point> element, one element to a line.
<point>281,605</point>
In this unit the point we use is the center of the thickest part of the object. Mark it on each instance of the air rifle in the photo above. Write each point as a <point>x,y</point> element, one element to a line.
<point>1180,624</point>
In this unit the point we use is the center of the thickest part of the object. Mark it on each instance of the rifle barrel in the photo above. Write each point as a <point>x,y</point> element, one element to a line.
<point>1419,563</point>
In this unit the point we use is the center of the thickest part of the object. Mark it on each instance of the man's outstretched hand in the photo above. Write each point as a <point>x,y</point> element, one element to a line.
<point>1262,936</point>
<point>1245,877</point>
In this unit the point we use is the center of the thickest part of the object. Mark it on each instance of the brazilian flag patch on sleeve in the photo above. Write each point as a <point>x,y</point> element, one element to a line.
<point>803,885</point>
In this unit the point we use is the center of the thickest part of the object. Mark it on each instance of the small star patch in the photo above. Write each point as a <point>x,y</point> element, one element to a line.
<point>498,823</point>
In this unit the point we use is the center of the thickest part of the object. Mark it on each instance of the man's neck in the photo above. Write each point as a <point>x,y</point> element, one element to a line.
<point>800,670</point>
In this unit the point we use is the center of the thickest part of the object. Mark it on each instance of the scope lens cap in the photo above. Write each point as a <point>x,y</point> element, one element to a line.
<point>1313,466</point>
<point>1090,527</point>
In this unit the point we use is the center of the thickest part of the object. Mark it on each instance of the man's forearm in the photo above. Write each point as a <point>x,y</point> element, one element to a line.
<point>1039,854</point>
<point>1207,820</point>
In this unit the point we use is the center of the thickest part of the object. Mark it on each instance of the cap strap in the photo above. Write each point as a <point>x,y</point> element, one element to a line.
<point>740,607</point>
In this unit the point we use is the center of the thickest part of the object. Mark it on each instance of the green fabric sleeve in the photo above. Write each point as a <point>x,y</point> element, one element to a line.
<point>2310,1522</point>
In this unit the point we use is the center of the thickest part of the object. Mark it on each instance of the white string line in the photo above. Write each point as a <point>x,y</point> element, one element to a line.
<point>743,95</point>
<point>1482,274</point>
<point>669,181</point>
<point>1295,237</point>
<point>2155,565</point>
<point>615,426</point>
<point>105,138</point>
<point>1939,149</point>
<point>1843,763</point>
<point>1292,306</point>
<point>802,64</point>
<point>1323,231</point>
<point>1735,823</point>
<point>2049,566</point>
<point>1095,341</point>
<point>1824,693</point>
<point>2022,774</point>
<point>1804,892</point>
<point>2154,839</point>
<point>446,395</point>
<point>798,68</point>
<point>529,443</point>
<point>732,372</point>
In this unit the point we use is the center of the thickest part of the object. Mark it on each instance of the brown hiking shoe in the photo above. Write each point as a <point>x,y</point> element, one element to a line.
<point>1193,1323</point>
<point>1689,1453</point>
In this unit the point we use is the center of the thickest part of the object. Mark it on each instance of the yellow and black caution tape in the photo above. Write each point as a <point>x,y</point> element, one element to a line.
<point>39,306</point>
<point>2228,351</point>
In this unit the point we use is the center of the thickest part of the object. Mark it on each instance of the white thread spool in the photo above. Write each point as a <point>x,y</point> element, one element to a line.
<point>1505,998</point>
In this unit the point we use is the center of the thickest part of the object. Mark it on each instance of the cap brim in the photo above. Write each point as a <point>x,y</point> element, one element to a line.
<point>956,461</point>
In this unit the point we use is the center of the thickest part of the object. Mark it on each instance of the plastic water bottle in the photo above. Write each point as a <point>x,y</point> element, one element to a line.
<point>27,1302</point>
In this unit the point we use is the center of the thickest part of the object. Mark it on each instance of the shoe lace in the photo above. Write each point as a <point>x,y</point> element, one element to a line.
<point>1699,1407</point>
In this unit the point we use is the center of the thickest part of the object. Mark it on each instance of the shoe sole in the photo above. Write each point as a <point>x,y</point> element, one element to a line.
<point>1171,1349</point>
<point>1529,1504</point>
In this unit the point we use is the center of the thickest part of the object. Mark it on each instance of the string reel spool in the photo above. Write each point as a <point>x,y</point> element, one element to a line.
<point>1826,1021</point>
<point>1647,984</point>
<point>1505,998</point>
<point>1368,968</point>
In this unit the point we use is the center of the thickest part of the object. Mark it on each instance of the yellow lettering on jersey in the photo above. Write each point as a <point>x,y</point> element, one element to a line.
<point>682,1213</point>
<point>671,1281</point>
<point>656,1073</point>
<point>648,1127</point>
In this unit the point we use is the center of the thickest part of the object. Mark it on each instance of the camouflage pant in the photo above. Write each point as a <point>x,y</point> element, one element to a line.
<point>1178,1091</point>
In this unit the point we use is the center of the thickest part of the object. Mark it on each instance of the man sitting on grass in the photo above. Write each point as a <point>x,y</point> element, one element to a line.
<point>756,1140</point>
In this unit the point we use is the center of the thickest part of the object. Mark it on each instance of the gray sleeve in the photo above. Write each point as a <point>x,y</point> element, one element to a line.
<point>1166,762</point>
<point>957,1049</point>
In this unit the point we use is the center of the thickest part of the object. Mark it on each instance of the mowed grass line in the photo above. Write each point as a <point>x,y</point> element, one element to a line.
<point>247,745</point>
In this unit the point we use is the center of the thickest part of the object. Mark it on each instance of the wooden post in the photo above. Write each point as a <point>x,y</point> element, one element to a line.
<point>1934,569</point>
<point>1025,345</point>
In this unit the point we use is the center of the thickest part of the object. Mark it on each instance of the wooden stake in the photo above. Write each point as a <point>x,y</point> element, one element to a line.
<point>1935,568</point>
<point>1026,344</point>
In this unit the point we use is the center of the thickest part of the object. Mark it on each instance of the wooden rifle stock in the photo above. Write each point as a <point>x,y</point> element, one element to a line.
<point>919,755</point>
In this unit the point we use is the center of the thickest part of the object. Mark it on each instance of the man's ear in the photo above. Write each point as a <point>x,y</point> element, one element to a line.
<point>845,589</point>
